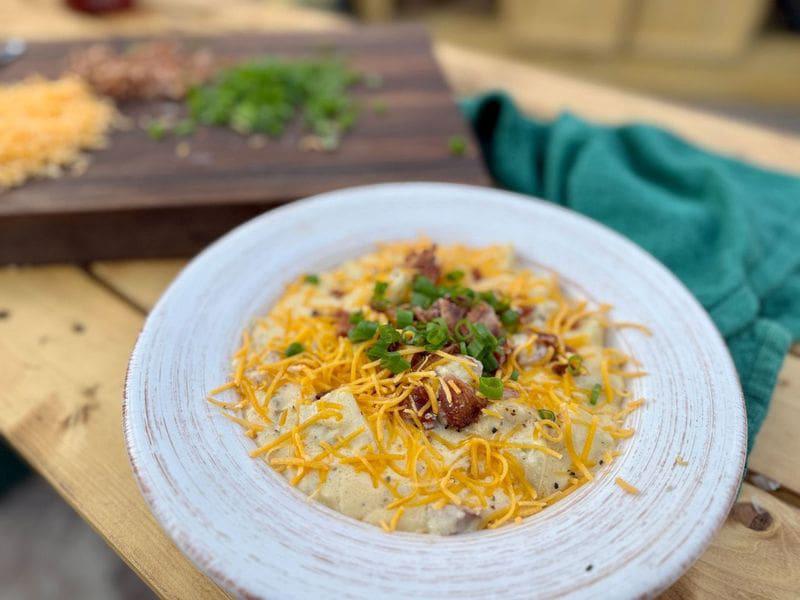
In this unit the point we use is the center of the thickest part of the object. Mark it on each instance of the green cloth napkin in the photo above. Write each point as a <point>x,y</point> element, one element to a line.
<point>728,230</point>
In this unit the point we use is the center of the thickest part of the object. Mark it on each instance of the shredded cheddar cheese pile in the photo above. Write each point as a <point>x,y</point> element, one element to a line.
<point>45,125</point>
<point>326,415</point>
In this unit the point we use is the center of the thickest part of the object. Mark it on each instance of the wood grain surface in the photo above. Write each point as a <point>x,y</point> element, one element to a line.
<point>741,561</point>
<point>140,198</point>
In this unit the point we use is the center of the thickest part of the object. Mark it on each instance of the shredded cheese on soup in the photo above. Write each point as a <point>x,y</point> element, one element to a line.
<point>432,389</point>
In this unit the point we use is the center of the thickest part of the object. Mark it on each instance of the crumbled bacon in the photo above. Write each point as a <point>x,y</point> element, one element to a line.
<point>425,262</point>
<point>483,313</point>
<point>341,320</point>
<point>418,359</point>
<point>476,274</point>
<point>451,312</point>
<point>426,314</point>
<point>547,339</point>
<point>461,407</point>
<point>416,401</point>
<point>336,293</point>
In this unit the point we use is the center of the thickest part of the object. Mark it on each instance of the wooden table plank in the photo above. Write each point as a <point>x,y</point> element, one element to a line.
<point>60,405</point>
<point>753,556</point>
<point>64,347</point>
<point>85,461</point>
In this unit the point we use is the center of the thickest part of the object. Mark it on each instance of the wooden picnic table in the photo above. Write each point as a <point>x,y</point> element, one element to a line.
<point>66,330</point>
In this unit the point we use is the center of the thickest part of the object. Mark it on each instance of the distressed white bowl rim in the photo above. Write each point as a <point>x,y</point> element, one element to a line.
<point>254,535</point>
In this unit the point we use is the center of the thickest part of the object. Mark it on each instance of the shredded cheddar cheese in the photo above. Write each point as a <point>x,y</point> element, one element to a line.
<point>46,125</point>
<point>333,415</point>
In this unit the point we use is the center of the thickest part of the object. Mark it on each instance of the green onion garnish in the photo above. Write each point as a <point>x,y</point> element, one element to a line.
<point>595,394</point>
<point>363,331</point>
<point>574,364</point>
<point>185,127</point>
<point>356,317</point>
<point>394,362</point>
<point>491,387</point>
<point>312,279</point>
<point>462,330</point>
<point>509,318</point>
<point>457,145</point>
<point>436,336</point>
<point>404,317</point>
<point>547,414</point>
<point>423,285</point>
<point>156,130</point>
<point>514,375</point>
<point>455,276</point>
<point>294,348</point>
<point>420,300</point>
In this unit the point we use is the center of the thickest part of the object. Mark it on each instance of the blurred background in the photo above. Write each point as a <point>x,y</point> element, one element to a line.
<point>740,58</point>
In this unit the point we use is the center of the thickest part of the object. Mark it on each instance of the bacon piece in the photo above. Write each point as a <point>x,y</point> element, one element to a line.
<point>459,408</point>
<point>476,274</point>
<point>483,313</point>
<point>547,339</point>
<point>451,312</point>
<point>418,360</point>
<point>416,401</point>
<point>426,314</point>
<point>424,261</point>
<point>341,320</point>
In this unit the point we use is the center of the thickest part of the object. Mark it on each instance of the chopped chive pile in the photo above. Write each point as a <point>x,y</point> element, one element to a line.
<point>311,278</point>
<point>266,95</point>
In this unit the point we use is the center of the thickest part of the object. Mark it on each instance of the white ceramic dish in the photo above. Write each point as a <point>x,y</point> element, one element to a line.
<point>244,526</point>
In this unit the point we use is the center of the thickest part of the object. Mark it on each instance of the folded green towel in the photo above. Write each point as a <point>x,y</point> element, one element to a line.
<point>728,230</point>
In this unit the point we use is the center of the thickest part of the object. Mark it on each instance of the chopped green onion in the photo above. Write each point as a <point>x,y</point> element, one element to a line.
<point>489,362</point>
<point>455,276</point>
<point>423,285</point>
<point>457,145</point>
<point>436,336</point>
<point>395,362</point>
<point>312,279</point>
<point>417,339</point>
<point>294,348</point>
<point>514,375</point>
<point>387,334</point>
<point>363,331</point>
<point>462,330</point>
<point>509,318</point>
<point>547,414</point>
<point>491,387</point>
<point>185,127</point>
<point>156,130</point>
<point>574,364</point>
<point>475,348</point>
<point>595,394</point>
<point>404,317</point>
<point>379,301</point>
<point>462,347</point>
<point>356,317</point>
<point>420,300</point>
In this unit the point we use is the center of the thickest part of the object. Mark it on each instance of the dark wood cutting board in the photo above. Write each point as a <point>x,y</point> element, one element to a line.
<point>138,198</point>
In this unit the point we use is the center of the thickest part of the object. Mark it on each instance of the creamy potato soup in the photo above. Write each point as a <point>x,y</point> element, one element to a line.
<point>432,389</point>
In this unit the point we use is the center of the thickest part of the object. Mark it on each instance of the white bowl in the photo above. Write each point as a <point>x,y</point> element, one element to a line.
<point>256,536</point>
